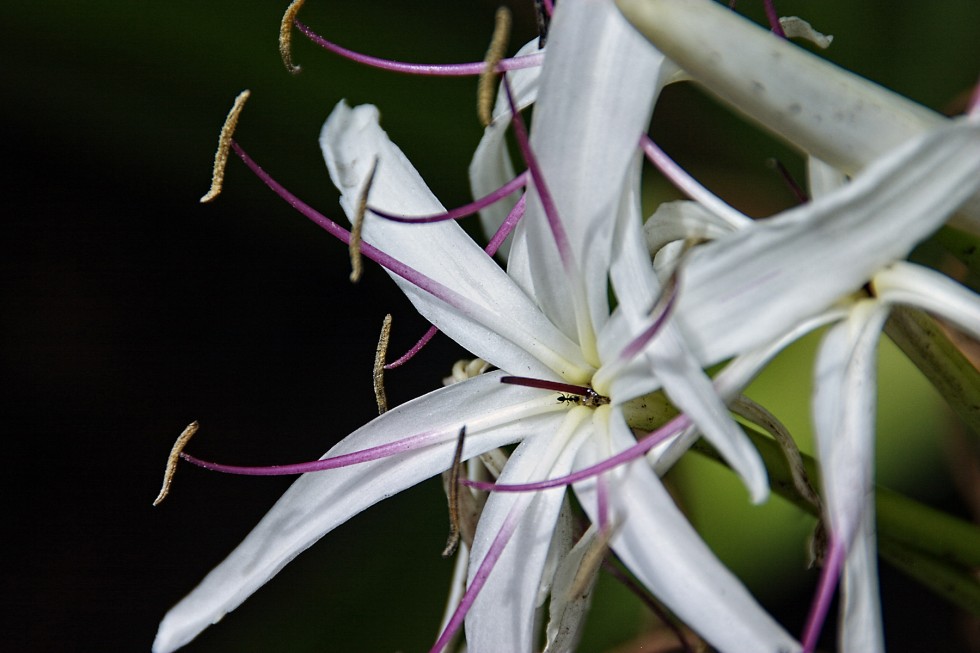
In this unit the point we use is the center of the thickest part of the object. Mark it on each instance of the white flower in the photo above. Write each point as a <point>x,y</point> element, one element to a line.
<point>547,317</point>
<point>751,292</point>
<point>782,277</point>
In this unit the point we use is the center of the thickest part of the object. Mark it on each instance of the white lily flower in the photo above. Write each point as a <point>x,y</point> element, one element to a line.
<point>751,292</point>
<point>547,317</point>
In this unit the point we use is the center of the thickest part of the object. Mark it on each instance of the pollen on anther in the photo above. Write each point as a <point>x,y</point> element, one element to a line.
<point>498,46</point>
<point>224,144</point>
<point>357,222</point>
<point>168,474</point>
<point>286,35</point>
<point>379,365</point>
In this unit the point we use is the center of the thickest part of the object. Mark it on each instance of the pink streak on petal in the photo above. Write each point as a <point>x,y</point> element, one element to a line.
<point>645,444</point>
<point>641,341</point>
<point>829,576</point>
<point>480,578</point>
<point>435,70</point>
<point>410,274</point>
<point>459,212</point>
<point>602,499</point>
<point>547,201</point>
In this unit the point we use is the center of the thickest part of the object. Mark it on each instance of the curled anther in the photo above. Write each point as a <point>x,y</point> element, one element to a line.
<point>453,496</point>
<point>286,35</point>
<point>224,144</point>
<point>379,365</point>
<point>498,46</point>
<point>168,474</point>
<point>357,224</point>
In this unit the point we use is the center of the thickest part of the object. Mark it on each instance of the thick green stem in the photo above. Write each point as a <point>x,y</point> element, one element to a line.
<point>940,360</point>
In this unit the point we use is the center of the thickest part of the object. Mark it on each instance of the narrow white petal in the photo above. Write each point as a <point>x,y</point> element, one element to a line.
<point>844,402</point>
<point>572,593</point>
<point>914,285</point>
<point>668,357</point>
<point>498,323</point>
<point>598,86</point>
<point>822,178</point>
<point>491,166</point>
<point>503,616</point>
<point>495,414</point>
<point>861,608</point>
<point>750,287</point>
<point>667,555</point>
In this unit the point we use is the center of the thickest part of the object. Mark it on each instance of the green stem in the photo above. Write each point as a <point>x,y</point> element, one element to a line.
<point>937,549</point>
<point>940,360</point>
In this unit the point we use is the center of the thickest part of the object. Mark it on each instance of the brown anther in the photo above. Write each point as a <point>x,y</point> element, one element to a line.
<point>452,492</point>
<point>357,224</point>
<point>286,35</point>
<point>379,365</point>
<point>224,144</point>
<point>496,51</point>
<point>168,474</point>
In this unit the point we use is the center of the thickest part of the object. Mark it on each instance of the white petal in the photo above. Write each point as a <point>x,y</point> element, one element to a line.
<point>749,287</point>
<point>495,414</point>
<point>822,178</point>
<point>491,166</point>
<point>503,616</point>
<point>828,112</point>
<point>598,86</point>
<point>681,220</point>
<point>665,553</point>
<point>492,317</point>
<point>861,605</point>
<point>914,285</point>
<point>844,402</point>
<point>669,358</point>
<point>572,593</point>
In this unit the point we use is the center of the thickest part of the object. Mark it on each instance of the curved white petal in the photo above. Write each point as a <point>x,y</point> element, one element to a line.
<point>753,285</point>
<point>585,141</point>
<point>494,414</point>
<point>503,616</point>
<point>491,316</point>
<point>668,357</point>
<point>491,166</point>
<point>681,220</point>
<point>826,111</point>
<point>914,285</point>
<point>665,553</point>
<point>844,402</point>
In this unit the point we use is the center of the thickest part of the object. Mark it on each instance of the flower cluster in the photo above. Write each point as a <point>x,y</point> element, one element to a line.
<point>596,316</point>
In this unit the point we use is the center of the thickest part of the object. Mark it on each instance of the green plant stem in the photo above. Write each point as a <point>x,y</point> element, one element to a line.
<point>937,549</point>
<point>940,360</point>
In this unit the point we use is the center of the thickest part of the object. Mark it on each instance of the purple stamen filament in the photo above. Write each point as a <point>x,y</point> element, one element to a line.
<point>829,576</point>
<point>547,202</point>
<point>544,384</point>
<point>433,70</point>
<point>344,460</point>
<point>645,444</point>
<point>460,212</point>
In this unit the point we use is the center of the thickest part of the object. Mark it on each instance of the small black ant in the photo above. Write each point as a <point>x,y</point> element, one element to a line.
<point>569,399</point>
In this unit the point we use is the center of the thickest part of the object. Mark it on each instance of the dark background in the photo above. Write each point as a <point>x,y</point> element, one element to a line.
<point>130,309</point>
